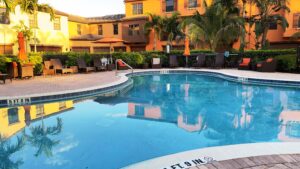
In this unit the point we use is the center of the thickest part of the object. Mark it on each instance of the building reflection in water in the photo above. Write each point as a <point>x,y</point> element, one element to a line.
<point>15,119</point>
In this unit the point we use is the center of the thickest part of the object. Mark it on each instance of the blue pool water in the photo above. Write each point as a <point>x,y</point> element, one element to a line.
<point>160,115</point>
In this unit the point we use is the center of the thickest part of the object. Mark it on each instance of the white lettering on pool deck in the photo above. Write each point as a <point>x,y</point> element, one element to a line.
<point>191,163</point>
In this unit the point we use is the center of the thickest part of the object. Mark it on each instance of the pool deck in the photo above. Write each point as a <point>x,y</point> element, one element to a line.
<point>291,161</point>
<point>41,86</point>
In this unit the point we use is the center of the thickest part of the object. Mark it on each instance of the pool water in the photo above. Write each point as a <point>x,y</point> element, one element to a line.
<point>160,115</point>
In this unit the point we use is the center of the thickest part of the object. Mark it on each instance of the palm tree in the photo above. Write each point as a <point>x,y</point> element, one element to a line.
<point>171,27</point>
<point>268,14</point>
<point>32,6</point>
<point>9,5</point>
<point>217,26</point>
<point>40,137</point>
<point>7,150</point>
<point>154,24</point>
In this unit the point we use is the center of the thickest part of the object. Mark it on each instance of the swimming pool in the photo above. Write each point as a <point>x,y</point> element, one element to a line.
<point>161,114</point>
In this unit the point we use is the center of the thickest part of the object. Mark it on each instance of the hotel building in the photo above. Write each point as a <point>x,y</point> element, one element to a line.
<point>74,33</point>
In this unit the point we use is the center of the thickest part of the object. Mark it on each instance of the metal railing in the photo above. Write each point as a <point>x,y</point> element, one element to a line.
<point>124,64</point>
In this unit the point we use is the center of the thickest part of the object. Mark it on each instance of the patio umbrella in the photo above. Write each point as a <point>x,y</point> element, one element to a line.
<point>187,51</point>
<point>109,41</point>
<point>22,54</point>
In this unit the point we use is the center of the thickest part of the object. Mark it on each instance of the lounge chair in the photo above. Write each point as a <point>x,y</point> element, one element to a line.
<point>245,64</point>
<point>270,65</point>
<point>219,61</point>
<point>58,67</point>
<point>156,63</point>
<point>48,68</point>
<point>200,61</point>
<point>3,77</point>
<point>121,65</point>
<point>99,64</point>
<point>173,61</point>
<point>83,67</point>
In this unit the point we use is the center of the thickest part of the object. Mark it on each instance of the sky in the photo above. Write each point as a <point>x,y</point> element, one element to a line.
<point>88,8</point>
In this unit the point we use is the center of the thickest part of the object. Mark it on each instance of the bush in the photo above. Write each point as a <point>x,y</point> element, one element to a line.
<point>37,60</point>
<point>134,59</point>
<point>286,63</point>
<point>4,59</point>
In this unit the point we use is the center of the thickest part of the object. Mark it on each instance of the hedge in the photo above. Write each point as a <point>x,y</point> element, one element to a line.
<point>286,58</point>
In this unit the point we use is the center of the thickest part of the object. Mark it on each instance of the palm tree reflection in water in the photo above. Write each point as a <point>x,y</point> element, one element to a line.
<point>7,149</point>
<point>40,137</point>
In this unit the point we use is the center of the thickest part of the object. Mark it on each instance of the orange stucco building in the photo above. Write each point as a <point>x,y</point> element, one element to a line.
<point>79,34</point>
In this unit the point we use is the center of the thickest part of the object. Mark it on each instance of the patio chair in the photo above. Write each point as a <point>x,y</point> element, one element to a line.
<point>25,70</point>
<point>12,69</point>
<point>156,63</point>
<point>219,60</point>
<point>121,65</point>
<point>99,64</point>
<point>173,61</point>
<point>200,61</point>
<point>48,68</point>
<point>245,64</point>
<point>83,67</point>
<point>270,65</point>
<point>59,68</point>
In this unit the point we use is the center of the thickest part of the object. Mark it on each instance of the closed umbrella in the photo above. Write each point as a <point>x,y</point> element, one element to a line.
<point>22,54</point>
<point>110,41</point>
<point>187,51</point>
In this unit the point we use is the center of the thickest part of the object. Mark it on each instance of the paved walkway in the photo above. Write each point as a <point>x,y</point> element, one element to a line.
<point>60,83</point>
<point>261,162</point>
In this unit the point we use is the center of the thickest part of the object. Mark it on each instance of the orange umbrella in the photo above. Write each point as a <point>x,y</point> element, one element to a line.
<point>109,41</point>
<point>22,54</point>
<point>187,51</point>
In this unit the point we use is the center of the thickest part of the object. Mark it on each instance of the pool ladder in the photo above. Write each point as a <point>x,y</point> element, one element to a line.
<point>124,64</point>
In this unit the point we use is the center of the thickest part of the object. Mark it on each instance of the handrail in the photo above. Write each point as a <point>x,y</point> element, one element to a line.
<point>124,64</point>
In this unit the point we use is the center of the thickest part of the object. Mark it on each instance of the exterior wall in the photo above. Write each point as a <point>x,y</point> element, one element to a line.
<point>85,29</point>
<point>45,33</point>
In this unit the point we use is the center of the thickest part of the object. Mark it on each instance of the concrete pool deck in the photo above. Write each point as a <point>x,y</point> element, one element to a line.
<point>41,86</point>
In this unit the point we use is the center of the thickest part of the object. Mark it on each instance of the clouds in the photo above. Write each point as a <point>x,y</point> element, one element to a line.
<point>88,8</point>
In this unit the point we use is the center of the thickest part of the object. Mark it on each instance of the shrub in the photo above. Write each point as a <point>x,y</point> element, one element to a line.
<point>287,63</point>
<point>4,59</point>
<point>133,59</point>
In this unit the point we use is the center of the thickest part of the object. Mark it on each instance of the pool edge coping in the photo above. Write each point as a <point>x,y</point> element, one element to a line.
<point>218,153</point>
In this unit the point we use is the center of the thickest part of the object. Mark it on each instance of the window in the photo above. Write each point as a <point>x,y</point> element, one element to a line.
<point>39,110</point>
<point>134,30</point>
<point>78,29</point>
<point>192,3</point>
<point>116,29</point>
<point>33,22</point>
<point>13,115</point>
<point>296,20</point>
<point>57,23</point>
<point>273,26</point>
<point>100,29</point>
<point>137,9</point>
<point>4,18</point>
<point>170,5</point>
<point>62,105</point>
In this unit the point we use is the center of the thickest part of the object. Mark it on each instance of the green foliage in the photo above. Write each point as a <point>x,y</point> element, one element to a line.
<point>37,60</point>
<point>218,26</point>
<point>4,59</point>
<point>134,59</point>
<point>287,63</point>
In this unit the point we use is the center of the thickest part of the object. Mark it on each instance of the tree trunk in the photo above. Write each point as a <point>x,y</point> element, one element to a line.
<point>264,38</point>
<point>155,41</point>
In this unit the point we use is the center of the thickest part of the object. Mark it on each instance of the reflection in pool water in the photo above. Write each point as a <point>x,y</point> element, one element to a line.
<point>161,115</point>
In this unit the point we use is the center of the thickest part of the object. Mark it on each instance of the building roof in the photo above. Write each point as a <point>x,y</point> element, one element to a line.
<point>86,37</point>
